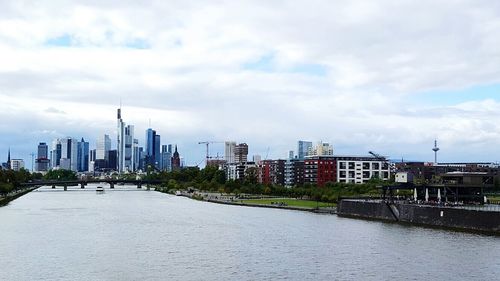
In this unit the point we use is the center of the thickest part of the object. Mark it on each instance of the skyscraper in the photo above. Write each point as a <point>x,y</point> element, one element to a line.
<point>166,156</point>
<point>42,159</point>
<point>83,156</point>
<point>230,147</point>
<point>153,153</point>
<point>125,145</point>
<point>69,154</point>
<point>103,145</point>
<point>55,154</point>
<point>302,149</point>
<point>241,153</point>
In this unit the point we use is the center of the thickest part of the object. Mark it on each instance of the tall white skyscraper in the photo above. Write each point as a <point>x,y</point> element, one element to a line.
<point>103,146</point>
<point>125,145</point>
<point>229,153</point>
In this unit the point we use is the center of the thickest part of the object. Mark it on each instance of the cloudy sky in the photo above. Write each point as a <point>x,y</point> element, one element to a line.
<point>387,76</point>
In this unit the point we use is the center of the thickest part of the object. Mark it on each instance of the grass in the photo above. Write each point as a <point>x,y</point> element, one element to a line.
<point>289,202</point>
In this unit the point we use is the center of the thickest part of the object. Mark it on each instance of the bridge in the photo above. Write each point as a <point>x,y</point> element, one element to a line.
<point>83,183</point>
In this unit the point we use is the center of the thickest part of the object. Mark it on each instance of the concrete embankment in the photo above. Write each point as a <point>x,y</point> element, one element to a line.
<point>14,195</point>
<point>433,216</point>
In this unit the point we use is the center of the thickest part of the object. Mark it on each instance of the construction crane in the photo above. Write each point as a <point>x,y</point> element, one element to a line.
<point>377,156</point>
<point>207,143</point>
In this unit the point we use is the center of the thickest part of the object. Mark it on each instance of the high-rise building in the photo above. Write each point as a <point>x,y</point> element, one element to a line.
<point>302,149</point>
<point>166,156</point>
<point>241,153</point>
<point>320,149</point>
<point>83,156</point>
<point>65,154</point>
<point>125,145</point>
<point>157,152</point>
<point>103,145</point>
<point>153,152</point>
<point>230,147</point>
<point>42,160</point>
<point>55,154</point>
<point>290,154</point>
<point>176,160</point>
<point>16,164</point>
<point>112,157</point>
<point>137,155</point>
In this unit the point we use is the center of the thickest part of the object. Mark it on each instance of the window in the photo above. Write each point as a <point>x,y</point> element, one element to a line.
<point>351,174</point>
<point>375,166</point>
<point>342,174</point>
<point>366,166</point>
<point>342,165</point>
<point>351,165</point>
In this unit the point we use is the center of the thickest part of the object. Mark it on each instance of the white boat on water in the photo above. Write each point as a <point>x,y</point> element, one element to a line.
<point>100,189</point>
<point>178,193</point>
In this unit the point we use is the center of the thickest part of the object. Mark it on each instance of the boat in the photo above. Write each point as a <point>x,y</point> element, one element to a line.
<point>100,189</point>
<point>178,193</point>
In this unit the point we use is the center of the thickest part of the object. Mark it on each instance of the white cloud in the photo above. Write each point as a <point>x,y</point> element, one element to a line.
<point>181,63</point>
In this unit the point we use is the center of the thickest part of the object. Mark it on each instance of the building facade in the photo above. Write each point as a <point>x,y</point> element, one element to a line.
<point>42,163</point>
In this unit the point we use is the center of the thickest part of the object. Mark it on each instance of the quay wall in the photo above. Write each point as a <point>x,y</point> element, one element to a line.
<point>435,216</point>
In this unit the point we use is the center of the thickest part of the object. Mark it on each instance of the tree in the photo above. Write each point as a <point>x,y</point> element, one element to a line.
<point>60,175</point>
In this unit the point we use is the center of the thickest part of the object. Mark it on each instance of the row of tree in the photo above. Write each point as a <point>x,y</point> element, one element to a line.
<point>11,180</point>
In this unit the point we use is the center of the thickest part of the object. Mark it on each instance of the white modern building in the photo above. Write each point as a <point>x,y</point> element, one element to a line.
<point>16,164</point>
<point>229,152</point>
<point>360,169</point>
<point>103,146</point>
<point>125,145</point>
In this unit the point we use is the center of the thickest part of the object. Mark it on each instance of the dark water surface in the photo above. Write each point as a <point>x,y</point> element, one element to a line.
<point>130,234</point>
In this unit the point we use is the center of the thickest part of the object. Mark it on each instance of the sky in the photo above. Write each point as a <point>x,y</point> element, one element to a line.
<point>383,76</point>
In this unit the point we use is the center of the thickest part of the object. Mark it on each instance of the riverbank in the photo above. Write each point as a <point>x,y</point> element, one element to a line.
<point>277,203</point>
<point>14,195</point>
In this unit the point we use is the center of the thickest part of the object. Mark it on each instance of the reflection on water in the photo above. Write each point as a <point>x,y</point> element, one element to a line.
<point>131,234</point>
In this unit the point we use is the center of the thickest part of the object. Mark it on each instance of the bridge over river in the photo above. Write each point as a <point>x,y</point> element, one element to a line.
<point>83,183</point>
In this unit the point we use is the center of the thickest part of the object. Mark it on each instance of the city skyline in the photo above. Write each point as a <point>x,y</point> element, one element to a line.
<point>263,74</point>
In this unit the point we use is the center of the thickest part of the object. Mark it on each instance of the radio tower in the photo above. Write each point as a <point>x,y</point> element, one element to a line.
<point>435,149</point>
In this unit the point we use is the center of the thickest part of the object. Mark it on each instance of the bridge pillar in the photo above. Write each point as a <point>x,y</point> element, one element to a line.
<point>65,187</point>
<point>139,185</point>
<point>54,186</point>
<point>111,185</point>
<point>82,185</point>
<point>149,188</point>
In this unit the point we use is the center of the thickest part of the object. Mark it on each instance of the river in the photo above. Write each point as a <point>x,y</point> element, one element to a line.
<point>131,234</point>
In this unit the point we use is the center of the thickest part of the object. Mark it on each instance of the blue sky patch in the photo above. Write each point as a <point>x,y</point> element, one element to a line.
<point>479,92</point>
<point>264,63</point>
<point>61,41</point>
<point>138,43</point>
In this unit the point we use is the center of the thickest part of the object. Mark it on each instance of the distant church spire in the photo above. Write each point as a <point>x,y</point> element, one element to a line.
<point>8,159</point>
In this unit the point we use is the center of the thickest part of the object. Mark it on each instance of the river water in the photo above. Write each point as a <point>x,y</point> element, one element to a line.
<point>130,234</point>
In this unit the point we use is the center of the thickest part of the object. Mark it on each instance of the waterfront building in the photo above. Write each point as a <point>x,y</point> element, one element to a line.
<point>241,171</point>
<point>241,153</point>
<point>42,159</point>
<point>16,164</point>
<point>318,170</point>
<point>360,169</point>
<point>229,152</point>
<point>92,158</point>
<point>294,172</point>
<point>103,145</point>
<point>137,155</point>
<point>302,149</point>
<point>272,172</point>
